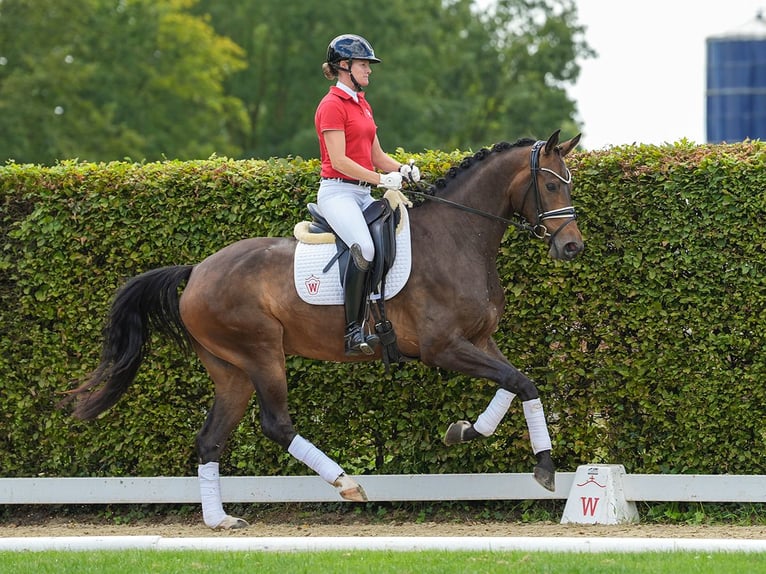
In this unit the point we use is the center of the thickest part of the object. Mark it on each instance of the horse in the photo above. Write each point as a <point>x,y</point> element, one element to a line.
<point>238,314</point>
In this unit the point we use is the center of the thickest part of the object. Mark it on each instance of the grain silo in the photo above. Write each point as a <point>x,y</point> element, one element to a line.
<point>736,83</point>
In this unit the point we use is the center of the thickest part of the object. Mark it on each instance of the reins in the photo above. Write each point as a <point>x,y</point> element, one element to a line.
<point>420,193</point>
<point>538,230</point>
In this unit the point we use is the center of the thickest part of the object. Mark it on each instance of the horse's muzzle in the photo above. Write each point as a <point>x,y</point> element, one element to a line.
<point>569,251</point>
<point>566,243</point>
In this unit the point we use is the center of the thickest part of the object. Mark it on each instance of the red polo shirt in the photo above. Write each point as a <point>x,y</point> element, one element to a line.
<point>339,111</point>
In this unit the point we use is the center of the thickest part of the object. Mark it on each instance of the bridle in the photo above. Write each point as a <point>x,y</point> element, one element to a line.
<point>538,230</point>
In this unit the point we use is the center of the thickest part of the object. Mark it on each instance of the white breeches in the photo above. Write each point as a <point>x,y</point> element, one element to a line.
<point>342,205</point>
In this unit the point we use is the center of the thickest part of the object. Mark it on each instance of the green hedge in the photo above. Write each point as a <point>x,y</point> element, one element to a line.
<point>648,350</point>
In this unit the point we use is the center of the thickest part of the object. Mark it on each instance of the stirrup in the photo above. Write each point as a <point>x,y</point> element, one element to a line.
<point>357,344</point>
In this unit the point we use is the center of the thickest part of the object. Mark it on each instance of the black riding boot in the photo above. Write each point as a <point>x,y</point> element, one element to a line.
<point>355,301</point>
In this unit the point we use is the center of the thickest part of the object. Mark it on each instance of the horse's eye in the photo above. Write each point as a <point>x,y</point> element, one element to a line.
<point>551,186</point>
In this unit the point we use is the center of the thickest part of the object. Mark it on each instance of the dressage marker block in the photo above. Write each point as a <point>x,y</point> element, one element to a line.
<point>597,496</point>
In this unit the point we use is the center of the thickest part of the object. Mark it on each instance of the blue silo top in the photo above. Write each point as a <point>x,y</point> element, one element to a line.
<point>736,83</point>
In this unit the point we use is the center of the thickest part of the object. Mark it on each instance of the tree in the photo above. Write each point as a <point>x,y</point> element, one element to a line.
<point>102,80</point>
<point>284,43</point>
<point>452,76</point>
<point>146,79</point>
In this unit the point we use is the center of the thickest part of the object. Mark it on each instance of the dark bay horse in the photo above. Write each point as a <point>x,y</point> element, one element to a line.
<point>241,316</point>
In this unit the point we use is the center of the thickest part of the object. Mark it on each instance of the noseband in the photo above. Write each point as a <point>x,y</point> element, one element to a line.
<point>538,230</point>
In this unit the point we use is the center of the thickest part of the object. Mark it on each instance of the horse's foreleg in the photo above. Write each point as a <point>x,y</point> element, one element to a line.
<point>465,357</point>
<point>486,423</point>
<point>545,472</point>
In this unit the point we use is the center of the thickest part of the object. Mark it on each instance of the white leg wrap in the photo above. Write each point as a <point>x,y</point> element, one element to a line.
<point>315,459</point>
<point>490,418</point>
<point>210,494</point>
<point>538,429</point>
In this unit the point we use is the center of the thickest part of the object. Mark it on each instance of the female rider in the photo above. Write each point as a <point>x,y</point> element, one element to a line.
<point>351,154</point>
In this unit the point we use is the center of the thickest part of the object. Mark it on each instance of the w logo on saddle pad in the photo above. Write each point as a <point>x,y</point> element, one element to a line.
<point>318,284</point>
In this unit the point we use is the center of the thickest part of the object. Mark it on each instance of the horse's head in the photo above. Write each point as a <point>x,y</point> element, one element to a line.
<point>535,188</point>
<point>551,213</point>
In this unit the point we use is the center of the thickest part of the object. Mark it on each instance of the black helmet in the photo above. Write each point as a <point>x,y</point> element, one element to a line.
<point>350,47</point>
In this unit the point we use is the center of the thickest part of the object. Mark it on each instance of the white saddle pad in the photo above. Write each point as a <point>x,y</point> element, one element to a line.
<point>319,288</point>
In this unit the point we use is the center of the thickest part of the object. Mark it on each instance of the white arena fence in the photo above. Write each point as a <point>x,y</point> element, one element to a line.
<point>379,488</point>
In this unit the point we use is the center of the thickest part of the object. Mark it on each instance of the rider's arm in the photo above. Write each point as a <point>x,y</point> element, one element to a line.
<point>381,160</point>
<point>335,142</point>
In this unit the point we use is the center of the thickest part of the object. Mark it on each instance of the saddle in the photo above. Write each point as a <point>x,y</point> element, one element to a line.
<point>382,221</point>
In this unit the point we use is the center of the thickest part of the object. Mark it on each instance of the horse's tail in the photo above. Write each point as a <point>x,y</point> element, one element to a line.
<point>147,301</point>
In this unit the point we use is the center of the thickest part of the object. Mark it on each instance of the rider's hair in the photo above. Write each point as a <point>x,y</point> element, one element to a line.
<point>329,71</point>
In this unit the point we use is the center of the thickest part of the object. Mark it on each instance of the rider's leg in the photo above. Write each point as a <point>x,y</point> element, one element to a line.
<point>356,291</point>
<point>342,206</point>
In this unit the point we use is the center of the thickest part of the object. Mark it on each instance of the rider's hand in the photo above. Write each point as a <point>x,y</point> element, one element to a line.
<point>410,171</point>
<point>391,180</point>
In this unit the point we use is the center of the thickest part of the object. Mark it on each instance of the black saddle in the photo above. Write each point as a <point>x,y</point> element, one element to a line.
<point>381,221</point>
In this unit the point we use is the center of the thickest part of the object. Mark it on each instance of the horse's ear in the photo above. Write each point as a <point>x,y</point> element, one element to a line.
<point>569,145</point>
<point>552,142</point>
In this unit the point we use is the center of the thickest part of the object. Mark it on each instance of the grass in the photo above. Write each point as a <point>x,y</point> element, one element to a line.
<point>357,562</point>
<point>360,562</point>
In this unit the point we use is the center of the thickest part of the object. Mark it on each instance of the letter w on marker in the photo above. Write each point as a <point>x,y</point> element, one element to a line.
<point>589,505</point>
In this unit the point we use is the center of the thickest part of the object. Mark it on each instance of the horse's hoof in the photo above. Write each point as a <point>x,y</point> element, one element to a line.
<point>349,489</point>
<point>356,494</point>
<point>546,478</point>
<point>232,523</point>
<point>454,434</point>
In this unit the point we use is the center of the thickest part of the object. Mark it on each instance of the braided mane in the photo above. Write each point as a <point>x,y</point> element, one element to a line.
<point>468,162</point>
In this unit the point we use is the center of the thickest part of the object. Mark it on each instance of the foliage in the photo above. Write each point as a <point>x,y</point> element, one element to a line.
<point>453,76</point>
<point>103,80</point>
<point>646,350</point>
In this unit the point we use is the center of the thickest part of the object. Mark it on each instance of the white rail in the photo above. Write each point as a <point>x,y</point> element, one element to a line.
<point>379,488</point>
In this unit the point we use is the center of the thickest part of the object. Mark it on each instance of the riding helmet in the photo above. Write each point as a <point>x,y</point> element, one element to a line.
<point>350,47</point>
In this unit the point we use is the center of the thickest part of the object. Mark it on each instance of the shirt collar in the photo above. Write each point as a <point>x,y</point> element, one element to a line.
<point>340,85</point>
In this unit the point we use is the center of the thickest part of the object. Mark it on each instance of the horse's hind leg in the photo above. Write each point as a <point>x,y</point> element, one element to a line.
<point>271,390</point>
<point>233,391</point>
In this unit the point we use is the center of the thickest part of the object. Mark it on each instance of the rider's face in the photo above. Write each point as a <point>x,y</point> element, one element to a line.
<point>361,71</point>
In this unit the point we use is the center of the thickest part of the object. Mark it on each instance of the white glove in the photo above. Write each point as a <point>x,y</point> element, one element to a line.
<point>391,180</point>
<point>410,171</point>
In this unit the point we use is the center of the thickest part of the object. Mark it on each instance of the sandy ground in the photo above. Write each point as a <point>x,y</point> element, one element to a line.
<point>328,524</point>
